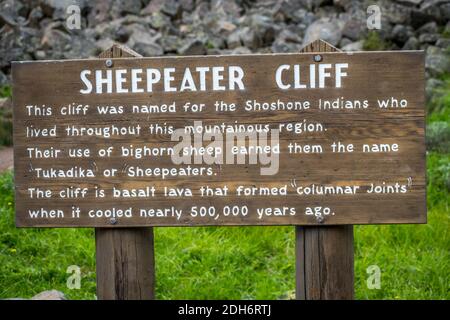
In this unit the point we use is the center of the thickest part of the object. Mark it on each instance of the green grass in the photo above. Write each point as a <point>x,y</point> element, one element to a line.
<point>236,262</point>
<point>373,42</point>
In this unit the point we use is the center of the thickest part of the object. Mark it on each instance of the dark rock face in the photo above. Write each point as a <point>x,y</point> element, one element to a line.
<point>38,29</point>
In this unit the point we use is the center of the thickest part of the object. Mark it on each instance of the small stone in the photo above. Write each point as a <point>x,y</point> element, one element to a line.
<point>40,55</point>
<point>192,47</point>
<point>50,295</point>
<point>354,46</point>
<point>241,50</point>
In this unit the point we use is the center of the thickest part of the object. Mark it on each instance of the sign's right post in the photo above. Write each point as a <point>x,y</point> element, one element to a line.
<point>324,254</point>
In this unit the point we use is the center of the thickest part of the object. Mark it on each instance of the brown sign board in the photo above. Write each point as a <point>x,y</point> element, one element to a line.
<point>329,139</point>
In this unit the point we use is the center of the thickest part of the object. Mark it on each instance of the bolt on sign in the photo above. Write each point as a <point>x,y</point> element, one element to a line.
<point>277,139</point>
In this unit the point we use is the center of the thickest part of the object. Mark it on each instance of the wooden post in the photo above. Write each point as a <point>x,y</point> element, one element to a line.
<point>324,254</point>
<point>124,256</point>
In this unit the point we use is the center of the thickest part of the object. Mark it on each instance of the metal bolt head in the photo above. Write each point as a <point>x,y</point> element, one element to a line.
<point>109,63</point>
<point>113,221</point>
<point>317,58</point>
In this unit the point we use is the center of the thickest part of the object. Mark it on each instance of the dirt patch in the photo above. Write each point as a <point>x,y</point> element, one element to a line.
<point>6,159</point>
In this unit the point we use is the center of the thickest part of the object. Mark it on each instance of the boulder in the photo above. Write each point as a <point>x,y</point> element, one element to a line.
<point>437,60</point>
<point>329,30</point>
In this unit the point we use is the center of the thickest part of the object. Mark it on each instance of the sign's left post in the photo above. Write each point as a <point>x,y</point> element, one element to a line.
<point>125,259</point>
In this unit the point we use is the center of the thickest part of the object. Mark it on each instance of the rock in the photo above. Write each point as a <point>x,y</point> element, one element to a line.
<point>10,12</point>
<point>40,55</point>
<point>325,29</point>
<point>263,28</point>
<point>430,27</point>
<point>170,43</point>
<point>443,43</point>
<point>249,38</point>
<point>397,14</point>
<point>55,38</point>
<point>152,7</point>
<point>234,40</point>
<point>3,79</point>
<point>35,16</point>
<point>411,44</point>
<point>104,44</point>
<point>400,33</point>
<point>287,41</point>
<point>144,40</point>
<point>438,136</point>
<point>428,12</point>
<point>344,42</point>
<point>121,7</point>
<point>50,295</point>
<point>172,8</point>
<point>428,38</point>
<point>159,21</point>
<point>286,9</point>
<point>187,5</point>
<point>437,61</point>
<point>192,47</point>
<point>445,11</point>
<point>241,50</point>
<point>354,29</point>
<point>354,46</point>
<point>226,7</point>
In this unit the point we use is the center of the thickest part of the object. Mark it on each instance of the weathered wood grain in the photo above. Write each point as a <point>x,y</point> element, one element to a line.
<point>125,259</point>
<point>371,76</point>
<point>324,255</point>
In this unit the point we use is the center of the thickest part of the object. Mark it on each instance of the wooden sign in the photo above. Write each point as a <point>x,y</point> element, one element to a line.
<point>278,139</point>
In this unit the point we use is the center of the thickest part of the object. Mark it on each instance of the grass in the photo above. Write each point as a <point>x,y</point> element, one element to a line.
<point>236,262</point>
<point>373,42</point>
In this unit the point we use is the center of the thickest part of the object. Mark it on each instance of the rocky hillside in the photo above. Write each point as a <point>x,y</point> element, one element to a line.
<point>37,29</point>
